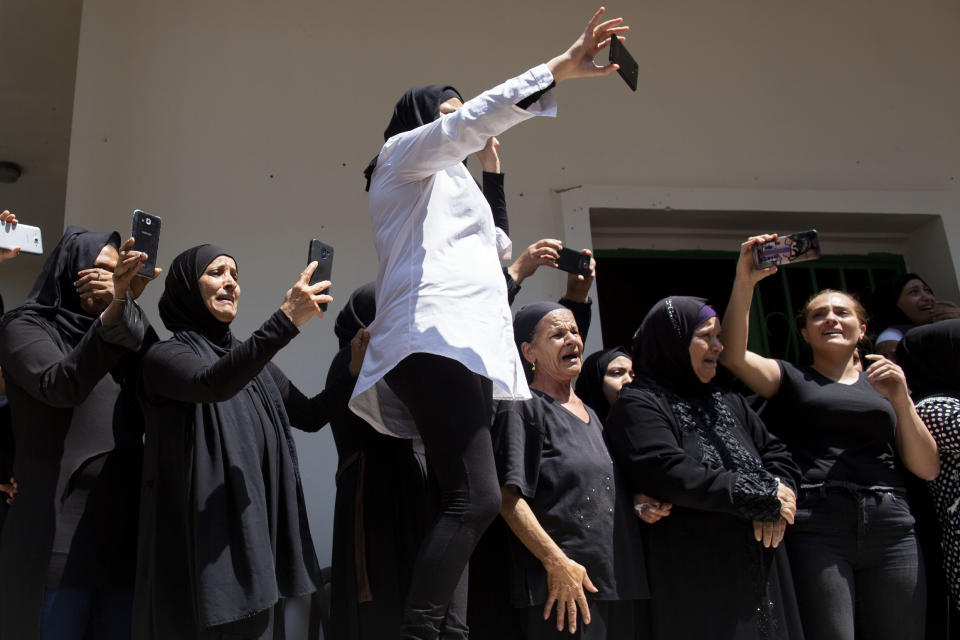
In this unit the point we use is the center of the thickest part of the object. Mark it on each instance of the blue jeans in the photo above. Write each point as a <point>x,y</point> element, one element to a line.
<point>856,565</point>
<point>86,614</point>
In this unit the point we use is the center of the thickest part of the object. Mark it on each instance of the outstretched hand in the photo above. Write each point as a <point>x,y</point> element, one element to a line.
<point>303,299</point>
<point>541,253</point>
<point>577,61</point>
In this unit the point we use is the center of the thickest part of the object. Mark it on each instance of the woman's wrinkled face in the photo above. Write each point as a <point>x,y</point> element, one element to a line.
<point>832,322</point>
<point>220,289</point>
<point>705,348</point>
<point>619,373</point>
<point>917,302</point>
<point>96,300</point>
<point>556,348</point>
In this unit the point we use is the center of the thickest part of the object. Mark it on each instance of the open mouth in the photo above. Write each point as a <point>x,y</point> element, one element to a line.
<point>835,332</point>
<point>571,358</point>
<point>225,298</point>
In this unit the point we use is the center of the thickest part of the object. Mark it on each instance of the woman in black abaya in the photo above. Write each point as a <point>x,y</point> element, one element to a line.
<point>70,356</point>
<point>682,439</point>
<point>224,532</point>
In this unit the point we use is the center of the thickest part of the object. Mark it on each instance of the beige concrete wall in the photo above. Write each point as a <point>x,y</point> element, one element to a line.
<point>248,124</point>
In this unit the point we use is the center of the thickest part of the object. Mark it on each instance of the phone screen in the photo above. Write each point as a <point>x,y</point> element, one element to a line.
<point>796,247</point>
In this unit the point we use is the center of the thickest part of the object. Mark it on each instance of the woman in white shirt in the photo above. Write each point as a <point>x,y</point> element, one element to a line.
<point>441,347</point>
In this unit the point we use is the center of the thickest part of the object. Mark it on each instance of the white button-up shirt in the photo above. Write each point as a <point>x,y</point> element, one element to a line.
<point>440,287</point>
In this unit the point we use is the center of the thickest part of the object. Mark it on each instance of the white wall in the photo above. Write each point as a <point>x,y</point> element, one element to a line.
<point>248,124</point>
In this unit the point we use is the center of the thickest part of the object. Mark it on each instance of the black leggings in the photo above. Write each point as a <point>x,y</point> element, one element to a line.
<point>452,407</point>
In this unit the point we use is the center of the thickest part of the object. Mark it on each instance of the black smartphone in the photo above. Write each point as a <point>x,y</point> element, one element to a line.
<point>796,247</point>
<point>629,70</point>
<point>322,254</point>
<point>573,262</point>
<point>146,238</point>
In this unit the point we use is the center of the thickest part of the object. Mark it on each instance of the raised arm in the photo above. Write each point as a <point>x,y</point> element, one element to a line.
<point>173,370</point>
<point>761,374</point>
<point>417,154</point>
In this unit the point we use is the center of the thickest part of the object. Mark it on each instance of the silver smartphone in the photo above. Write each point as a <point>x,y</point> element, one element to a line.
<point>22,235</point>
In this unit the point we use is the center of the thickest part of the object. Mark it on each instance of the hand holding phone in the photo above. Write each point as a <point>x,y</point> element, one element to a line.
<point>322,254</point>
<point>146,239</point>
<point>796,247</point>
<point>573,262</point>
<point>18,236</point>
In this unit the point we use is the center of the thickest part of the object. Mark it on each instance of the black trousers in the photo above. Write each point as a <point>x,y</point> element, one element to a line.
<point>452,407</point>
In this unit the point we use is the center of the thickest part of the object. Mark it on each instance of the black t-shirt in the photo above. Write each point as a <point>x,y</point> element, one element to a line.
<point>563,470</point>
<point>835,431</point>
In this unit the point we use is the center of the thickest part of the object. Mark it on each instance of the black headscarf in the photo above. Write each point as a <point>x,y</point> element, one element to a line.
<point>358,313</point>
<point>53,296</point>
<point>886,313</point>
<point>182,307</point>
<point>416,107</point>
<point>589,386</point>
<point>930,357</point>
<point>661,348</point>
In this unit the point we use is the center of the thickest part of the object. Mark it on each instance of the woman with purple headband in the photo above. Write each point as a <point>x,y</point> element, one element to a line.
<point>686,441</point>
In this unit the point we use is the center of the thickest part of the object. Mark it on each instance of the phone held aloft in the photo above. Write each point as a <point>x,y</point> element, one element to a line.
<point>146,239</point>
<point>322,254</point>
<point>28,238</point>
<point>796,247</point>
<point>573,262</point>
<point>629,70</point>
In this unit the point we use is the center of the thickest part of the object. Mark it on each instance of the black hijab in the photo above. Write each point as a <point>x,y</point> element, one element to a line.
<point>358,313</point>
<point>886,312</point>
<point>661,348</point>
<point>53,296</point>
<point>930,357</point>
<point>181,305</point>
<point>416,107</point>
<point>589,386</point>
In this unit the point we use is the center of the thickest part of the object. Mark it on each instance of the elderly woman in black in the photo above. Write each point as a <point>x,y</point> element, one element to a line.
<point>563,496</point>
<point>70,357</point>
<point>224,532</point>
<point>715,566</point>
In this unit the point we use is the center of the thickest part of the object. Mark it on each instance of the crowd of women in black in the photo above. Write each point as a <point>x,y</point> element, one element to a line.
<point>156,490</point>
